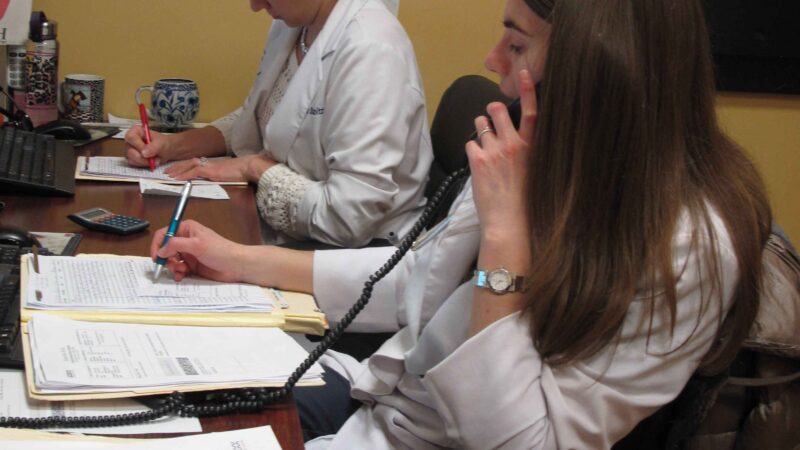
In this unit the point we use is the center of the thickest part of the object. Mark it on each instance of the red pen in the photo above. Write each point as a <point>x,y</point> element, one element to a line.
<point>146,127</point>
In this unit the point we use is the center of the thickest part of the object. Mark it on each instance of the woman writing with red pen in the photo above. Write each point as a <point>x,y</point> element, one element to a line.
<point>334,131</point>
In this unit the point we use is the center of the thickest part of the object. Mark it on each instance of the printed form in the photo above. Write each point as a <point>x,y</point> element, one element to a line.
<point>84,357</point>
<point>118,167</point>
<point>116,284</point>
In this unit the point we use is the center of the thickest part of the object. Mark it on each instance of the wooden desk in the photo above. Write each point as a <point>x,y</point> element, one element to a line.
<point>235,219</point>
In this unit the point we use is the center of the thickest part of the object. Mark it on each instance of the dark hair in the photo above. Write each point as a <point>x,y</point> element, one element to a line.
<point>627,140</point>
<point>542,8</point>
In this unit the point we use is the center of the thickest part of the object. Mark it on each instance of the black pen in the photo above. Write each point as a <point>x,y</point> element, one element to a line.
<point>173,226</point>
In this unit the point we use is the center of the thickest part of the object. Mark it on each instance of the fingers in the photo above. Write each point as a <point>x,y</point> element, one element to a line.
<point>155,244</point>
<point>135,158</point>
<point>187,170</point>
<point>484,130</point>
<point>473,154</point>
<point>190,169</point>
<point>184,242</point>
<point>180,269</point>
<point>185,229</point>
<point>135,143</point>
<point>135,137</point>
<point>501,122</point>
<point>503,126</point>
<point>138,151</point>
<point>528,105</point>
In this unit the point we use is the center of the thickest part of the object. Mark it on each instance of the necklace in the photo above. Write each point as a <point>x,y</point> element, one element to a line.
<point>303,46</point>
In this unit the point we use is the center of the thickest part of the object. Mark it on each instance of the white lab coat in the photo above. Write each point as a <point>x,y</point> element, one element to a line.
<point>352,120</point>
<point>439,388</point>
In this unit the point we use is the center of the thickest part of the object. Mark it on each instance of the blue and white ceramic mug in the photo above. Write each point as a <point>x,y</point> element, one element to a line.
<point>174,101</point>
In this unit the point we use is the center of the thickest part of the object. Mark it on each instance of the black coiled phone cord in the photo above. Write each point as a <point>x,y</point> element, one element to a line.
<point>249,400</point>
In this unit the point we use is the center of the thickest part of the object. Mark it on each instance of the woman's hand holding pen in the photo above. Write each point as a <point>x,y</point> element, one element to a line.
<point>138,152</point>
<point>244,168</point>
<point>196,249</point>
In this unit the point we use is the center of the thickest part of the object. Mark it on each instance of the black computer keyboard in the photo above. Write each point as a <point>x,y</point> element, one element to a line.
<point>10,341</point>
<point>33,163</point>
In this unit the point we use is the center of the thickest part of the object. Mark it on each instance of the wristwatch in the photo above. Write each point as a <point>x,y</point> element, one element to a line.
<point>499,281</point>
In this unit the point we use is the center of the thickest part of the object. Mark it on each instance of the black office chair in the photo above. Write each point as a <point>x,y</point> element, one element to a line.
<point>453,124</point>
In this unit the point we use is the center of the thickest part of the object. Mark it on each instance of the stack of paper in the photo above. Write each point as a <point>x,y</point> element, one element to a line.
<point>261,438</point>
<point>67,283</point>
<point>292,311</point>
<point>116,168</point>
<point>69,357</point>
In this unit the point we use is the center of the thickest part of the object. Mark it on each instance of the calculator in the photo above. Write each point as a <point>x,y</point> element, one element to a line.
<point>104,220</point>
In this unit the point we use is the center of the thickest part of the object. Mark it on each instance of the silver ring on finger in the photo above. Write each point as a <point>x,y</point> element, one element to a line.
<point>203,161</point>
<point>483,131</point>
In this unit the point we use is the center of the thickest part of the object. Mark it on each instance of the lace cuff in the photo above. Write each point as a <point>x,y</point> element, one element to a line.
<point>280,191</point>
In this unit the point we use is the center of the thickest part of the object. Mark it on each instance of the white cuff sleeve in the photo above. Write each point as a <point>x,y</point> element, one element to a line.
<point>339,277</point>
<point>280,191</point>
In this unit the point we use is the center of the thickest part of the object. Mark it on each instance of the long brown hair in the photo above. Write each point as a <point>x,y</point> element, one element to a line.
<point>627,139</point>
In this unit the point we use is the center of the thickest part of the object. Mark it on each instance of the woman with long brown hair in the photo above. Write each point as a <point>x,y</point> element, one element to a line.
<point>617,234</point>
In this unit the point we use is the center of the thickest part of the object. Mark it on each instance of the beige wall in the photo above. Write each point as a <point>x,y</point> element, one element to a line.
<point>218,43</point>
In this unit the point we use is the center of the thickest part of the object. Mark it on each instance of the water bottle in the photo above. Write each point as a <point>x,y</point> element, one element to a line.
<point>41,81</point>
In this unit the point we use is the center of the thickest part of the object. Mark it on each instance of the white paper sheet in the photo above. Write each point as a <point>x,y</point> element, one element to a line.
<point>118,167</point>
<point>261,438</point>
<point>74,356</point>
<point>15,403</point>
<point>115,284</point>
<point>211,191</point>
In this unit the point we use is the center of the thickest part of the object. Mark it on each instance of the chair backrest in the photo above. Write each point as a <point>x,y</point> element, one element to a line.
<point>454,123</point>
<point>756,403</point>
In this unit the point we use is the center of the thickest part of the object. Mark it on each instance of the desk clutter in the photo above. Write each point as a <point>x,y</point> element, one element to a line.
<point>199,323</point>
<point>68,359</point>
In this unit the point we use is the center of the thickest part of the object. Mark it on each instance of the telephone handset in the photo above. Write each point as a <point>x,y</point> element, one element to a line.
<point>514,112</point>
<point>255,399</point>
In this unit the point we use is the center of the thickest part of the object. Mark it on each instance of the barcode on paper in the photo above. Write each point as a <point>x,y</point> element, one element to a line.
<point>186,366</point>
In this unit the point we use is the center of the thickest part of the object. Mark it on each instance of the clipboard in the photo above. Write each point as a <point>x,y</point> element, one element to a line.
<point>35,393</point>
<point>300,314</point>
<point>81,163</point>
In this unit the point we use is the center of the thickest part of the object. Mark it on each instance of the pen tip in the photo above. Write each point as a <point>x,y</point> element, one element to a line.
<point>157,273</point>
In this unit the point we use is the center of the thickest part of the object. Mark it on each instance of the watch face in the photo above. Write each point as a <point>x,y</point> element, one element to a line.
<point>499,280</point>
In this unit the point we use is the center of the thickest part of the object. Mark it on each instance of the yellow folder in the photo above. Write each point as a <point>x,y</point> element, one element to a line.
<point>301,313</point>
